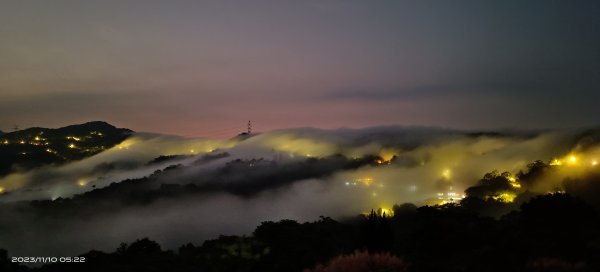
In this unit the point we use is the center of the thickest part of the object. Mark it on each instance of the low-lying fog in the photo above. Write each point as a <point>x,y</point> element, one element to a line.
<point>418,165</point>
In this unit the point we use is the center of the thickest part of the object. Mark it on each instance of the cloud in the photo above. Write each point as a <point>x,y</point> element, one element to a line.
<point>228,187</point>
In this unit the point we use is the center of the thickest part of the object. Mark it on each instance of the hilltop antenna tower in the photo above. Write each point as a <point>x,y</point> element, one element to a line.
<point>16,127</point>
<point>249,127</point>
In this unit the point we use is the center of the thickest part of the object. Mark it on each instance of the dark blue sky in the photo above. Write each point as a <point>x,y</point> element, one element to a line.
<point>206,67</point>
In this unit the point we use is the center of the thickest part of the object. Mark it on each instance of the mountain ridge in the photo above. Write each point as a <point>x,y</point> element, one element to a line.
<point>36,146</point>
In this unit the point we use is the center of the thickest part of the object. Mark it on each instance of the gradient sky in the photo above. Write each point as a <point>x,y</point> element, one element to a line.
<point>203,68</point>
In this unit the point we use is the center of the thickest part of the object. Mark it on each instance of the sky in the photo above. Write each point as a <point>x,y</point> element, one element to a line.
<point>204,68</point>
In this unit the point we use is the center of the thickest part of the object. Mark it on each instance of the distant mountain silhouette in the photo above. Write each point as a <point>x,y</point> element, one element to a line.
<point>33,147</point>
<point>243,136</point>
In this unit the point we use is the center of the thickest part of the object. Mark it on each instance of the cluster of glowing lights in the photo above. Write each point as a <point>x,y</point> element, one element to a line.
<point>77,139</point>
<point>514,183</point>
<point>37,140</point>
<point>571,160</point>
<point>1,190</point>
<point>381,212</point>
<point>367,181</point>
<point>449,197</point>
<point>72,146</point>
<point>555,162</point>
<point>504,197</point>
<point>385,212</point>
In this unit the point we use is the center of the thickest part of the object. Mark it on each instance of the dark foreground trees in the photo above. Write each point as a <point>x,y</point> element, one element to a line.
<point>555,232</point>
